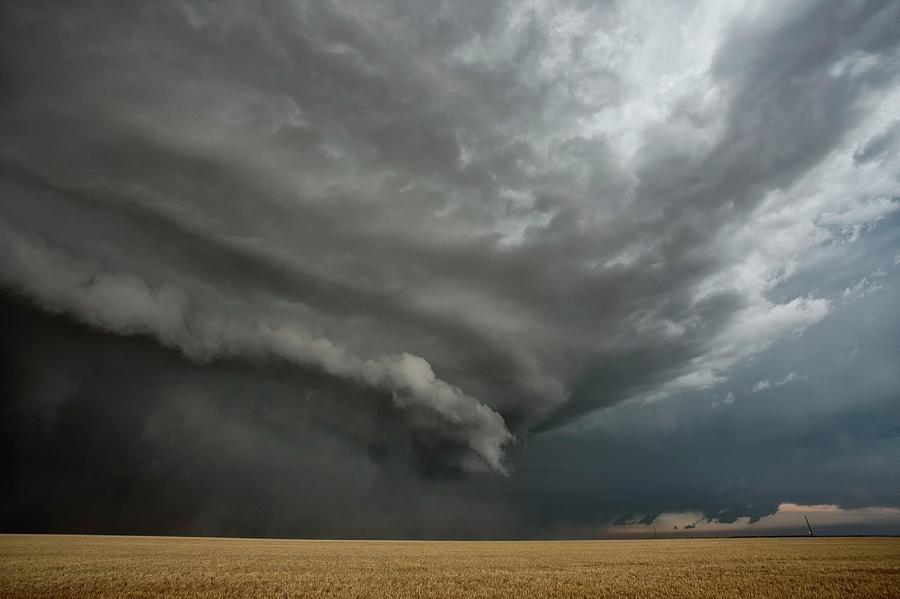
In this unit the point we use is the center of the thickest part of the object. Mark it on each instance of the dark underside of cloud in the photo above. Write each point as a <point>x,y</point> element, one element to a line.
<point>98,440</point>
<point>421,269</point>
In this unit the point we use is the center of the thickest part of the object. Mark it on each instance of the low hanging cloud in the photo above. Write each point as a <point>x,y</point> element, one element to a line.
<point>788,519</point>
<point>126,304</point>
<point>504,216</point>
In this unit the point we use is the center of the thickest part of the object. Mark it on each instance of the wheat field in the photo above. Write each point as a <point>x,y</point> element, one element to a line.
<point>107,566</point>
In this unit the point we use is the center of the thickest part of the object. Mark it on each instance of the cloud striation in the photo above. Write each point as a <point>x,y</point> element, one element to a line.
<point>462,223</point>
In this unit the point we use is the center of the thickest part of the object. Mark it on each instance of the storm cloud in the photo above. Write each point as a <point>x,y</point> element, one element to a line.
<point>445,241</point>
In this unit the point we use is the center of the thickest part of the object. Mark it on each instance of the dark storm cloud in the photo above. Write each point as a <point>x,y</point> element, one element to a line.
<point>135,440</point>
<point>457,223</point>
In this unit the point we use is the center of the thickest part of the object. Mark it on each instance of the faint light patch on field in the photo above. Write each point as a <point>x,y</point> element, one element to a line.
<point>787,520</point>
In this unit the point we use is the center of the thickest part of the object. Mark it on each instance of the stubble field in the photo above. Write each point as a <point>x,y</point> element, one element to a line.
<point>99,567</point>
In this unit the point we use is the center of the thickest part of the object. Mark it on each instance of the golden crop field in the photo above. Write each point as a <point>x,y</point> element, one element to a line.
<point>104,566</point>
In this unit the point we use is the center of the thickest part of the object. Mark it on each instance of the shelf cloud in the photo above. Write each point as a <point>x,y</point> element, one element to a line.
<point>456,226</point>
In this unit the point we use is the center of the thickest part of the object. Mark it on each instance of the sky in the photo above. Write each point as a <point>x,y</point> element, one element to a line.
<point>450,268</point>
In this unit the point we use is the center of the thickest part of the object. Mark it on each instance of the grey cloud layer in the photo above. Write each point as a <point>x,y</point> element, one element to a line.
<point>504,216</point>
